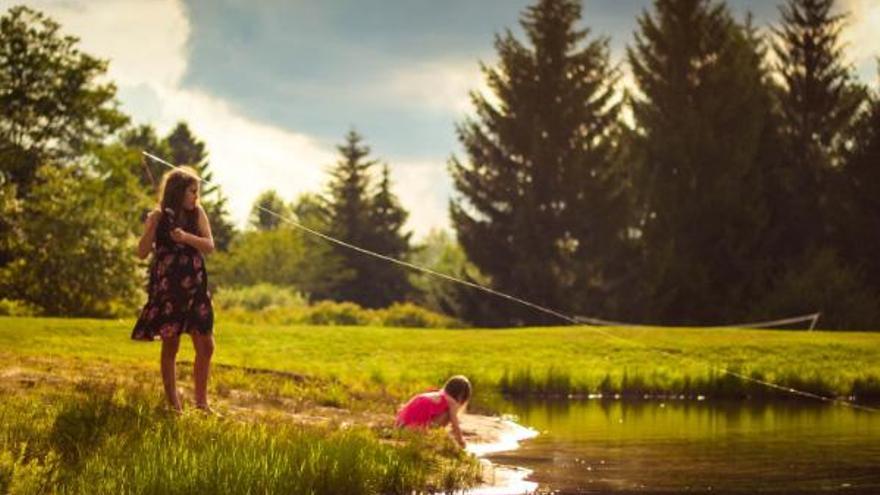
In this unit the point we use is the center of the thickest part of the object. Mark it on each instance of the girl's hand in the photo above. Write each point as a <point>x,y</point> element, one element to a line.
<point>178,235</point>
<point>153,216</point>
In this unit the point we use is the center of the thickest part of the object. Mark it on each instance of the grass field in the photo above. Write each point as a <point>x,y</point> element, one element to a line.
<point>558,360</point>
<point>309,409</point>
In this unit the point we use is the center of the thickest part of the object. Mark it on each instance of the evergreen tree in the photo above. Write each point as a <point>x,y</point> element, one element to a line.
<point>348,205</point>
<point>703,120</point>
<point>144,138</point>
<point>390,281</point>
<point>370,220</point>
<point>818,102</point>
<point>261,219</point>
<point>859,201</point>
<point>538,208</point>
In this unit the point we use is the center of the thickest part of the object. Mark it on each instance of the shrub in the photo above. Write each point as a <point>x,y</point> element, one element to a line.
<point>258,297</point>
<point>337,313</point>
<point>267,304</point>
<point>410,315</point>
<point>15,307</point>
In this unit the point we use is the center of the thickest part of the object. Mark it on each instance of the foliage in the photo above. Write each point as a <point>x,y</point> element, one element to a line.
<point>13,307</point>
<point>54,101</point>
<point>258,297</point>
<point>440,252</point>
<point>408,315</point>
<point>282,257</point>
<point>821,281</point>
<point>371,220</point>
<point>266,304</point>
<point>268,211</point>
<point>540,210</point>
<point>77,254</point>
<point>857,204</point>
<point>703,121</point>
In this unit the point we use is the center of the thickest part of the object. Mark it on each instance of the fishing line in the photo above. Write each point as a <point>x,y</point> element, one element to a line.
<point>570,319</point>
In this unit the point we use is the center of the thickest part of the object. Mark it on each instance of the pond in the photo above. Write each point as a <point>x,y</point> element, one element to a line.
<point>679,446</point>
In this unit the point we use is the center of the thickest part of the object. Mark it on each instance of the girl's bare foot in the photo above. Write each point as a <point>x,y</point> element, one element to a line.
<point>206,409</point>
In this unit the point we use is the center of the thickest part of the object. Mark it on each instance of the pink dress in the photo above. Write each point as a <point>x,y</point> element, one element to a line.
<point>422,410</point>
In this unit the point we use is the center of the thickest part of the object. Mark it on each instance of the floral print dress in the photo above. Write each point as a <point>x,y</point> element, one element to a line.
<point>178,296</point>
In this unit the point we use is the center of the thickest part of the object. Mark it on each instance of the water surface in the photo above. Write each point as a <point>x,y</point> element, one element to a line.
<point>596,446</point>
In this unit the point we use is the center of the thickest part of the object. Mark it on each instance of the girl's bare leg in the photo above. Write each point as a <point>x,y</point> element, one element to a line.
<point>169,371</point>
<point>204,347</point>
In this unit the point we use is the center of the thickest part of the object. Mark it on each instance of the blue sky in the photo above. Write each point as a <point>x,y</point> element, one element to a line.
<point>272,86</point>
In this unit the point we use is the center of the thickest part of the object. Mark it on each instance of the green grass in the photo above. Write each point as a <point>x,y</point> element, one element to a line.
<point>309,409</point>
<point>395,362</point>
<point>98,438</point>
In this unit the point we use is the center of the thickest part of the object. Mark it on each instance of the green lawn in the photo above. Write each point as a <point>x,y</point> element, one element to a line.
<point>531,360</point>
<point>309,409</point>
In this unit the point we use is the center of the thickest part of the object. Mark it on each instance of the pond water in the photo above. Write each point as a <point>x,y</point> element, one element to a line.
<point>601,446</point>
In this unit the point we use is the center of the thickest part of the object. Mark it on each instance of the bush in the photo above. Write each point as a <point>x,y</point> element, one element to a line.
<point>15,307</point>
<point>259,297</point>
<point>267,304</point>
<point>410,315</point>
<point>337,313</point>
<point>821,281</point>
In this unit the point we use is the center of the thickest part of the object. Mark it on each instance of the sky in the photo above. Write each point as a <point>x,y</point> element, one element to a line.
<point>273,86</point>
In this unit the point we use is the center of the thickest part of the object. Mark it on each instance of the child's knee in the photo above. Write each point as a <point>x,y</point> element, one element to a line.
<point>205,346</point>
<point>170,347</point>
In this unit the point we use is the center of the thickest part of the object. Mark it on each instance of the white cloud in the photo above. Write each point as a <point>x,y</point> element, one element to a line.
<point>862,37</point>
<point>439,86</point>
<point>423,187</point>
<point>146,43</point>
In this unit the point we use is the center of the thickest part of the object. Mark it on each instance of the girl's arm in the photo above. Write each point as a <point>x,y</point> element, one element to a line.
<point>205,242</point>
<point>145,245</point>
<point>454,409</point>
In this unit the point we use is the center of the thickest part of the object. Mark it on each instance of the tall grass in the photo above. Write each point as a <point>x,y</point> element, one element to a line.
<point>101,439</point>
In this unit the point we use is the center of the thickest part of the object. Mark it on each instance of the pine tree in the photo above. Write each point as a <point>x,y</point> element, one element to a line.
<point>387,216</point>
<point>859,202</point>
<point>144,138</point>
<point>268,211</point>
<point>538,208</point>
<point>372,219</point>
<point>348,206</point>
<point>818,102</point>
<point>702,120</point>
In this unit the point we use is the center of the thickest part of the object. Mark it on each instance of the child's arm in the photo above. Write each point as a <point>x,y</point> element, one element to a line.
<point>454,408</point>
<point>204,243</point>
<point>145,245</point>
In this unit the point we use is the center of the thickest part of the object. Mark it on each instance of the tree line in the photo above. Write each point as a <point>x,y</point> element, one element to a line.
<point>734,179</point>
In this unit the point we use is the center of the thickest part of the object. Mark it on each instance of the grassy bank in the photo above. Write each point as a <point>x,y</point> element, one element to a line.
<point>309,409</point>
<point>395,362</point>
<point>69,425</point>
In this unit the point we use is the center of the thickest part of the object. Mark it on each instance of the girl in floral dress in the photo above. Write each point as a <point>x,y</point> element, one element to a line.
<point>179,236</point>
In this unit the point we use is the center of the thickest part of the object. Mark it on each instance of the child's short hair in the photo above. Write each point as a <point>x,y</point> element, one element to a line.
<point>459,388</point>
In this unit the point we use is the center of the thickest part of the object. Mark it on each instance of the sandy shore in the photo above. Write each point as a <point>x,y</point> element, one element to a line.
<point>488,434</point>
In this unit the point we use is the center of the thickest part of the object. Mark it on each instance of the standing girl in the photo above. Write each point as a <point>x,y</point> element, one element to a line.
<point>179,235</point>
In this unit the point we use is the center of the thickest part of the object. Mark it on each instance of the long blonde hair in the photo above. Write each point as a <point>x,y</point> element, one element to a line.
<point>172,190</point>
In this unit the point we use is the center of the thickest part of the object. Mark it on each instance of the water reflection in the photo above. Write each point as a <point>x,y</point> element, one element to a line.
<point>596,446</point>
